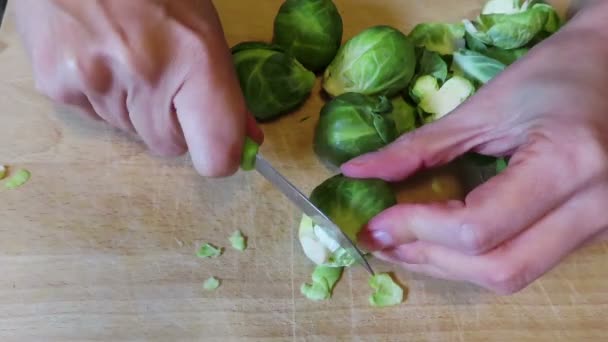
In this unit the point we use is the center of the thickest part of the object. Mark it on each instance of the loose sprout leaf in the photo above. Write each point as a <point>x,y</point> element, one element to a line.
<point>209,251</point>
<point>2,171</point>
<point>432,64</point>
<point>237,240</point>
<point>386,291</point>
<point>211,283</point>
<point>324,279</point>
<point>18,179</point>
<point>477,66</point>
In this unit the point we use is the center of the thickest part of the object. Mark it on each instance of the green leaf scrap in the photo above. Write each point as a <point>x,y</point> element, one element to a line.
<point>386,291</point>
<point>324,279</point>
<point>237,240</point>
<point>211,283</point>
<point>18,179</point>
<point>209,251</point>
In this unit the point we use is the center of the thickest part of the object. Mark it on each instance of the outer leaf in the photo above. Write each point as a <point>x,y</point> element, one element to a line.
<point>477,66</point>
<point>432,64</point>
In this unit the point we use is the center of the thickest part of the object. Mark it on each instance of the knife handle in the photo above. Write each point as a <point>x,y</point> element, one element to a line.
<point>250,150</point>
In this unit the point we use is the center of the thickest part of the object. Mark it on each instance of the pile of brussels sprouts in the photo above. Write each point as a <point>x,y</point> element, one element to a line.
<point>380,83</point>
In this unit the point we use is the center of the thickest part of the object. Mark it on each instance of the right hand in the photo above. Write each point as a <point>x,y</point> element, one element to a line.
<point>161,69</point>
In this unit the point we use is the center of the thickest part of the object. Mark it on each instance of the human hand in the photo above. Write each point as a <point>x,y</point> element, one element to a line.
<point>161,69</point>
<point>549,113</point>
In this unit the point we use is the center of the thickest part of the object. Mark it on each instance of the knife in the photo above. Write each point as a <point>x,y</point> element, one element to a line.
<point>252,159</point>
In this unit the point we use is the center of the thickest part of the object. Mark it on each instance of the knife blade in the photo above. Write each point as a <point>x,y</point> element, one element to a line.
<point>263,167</point>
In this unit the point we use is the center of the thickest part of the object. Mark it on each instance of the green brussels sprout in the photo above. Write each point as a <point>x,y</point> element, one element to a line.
<point>477,66</point>
<point>436,102</point>
<point>310,30</point>
<point>353,124</point>
<point>438,37</point>
<point>348,202</point>
<point>380,60</point>
<point>273,82</point>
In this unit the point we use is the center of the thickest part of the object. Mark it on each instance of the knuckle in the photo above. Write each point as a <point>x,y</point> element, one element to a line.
<point>506,279</point>
<point>474,239</point>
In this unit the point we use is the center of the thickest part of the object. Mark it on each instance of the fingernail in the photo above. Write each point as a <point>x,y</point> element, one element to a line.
<point>374,240</point>
<point>382,238</point>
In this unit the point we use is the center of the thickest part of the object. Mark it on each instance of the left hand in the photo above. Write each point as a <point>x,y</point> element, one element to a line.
<point>549,112</point>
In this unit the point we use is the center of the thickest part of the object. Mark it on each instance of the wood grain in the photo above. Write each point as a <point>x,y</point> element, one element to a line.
<point>100,244</point>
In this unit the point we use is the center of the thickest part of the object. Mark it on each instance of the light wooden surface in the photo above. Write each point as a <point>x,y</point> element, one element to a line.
<point>100,244</point>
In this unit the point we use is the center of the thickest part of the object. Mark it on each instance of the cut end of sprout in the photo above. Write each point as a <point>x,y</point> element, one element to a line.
<point>18,179</point>
<point>2,171</point>
<point>209,251</point>
<point>386,291</point>
<point>237,240</point>
<point>211,283</point>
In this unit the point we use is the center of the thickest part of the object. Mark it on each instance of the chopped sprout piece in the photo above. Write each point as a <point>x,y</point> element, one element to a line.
<point>18,179</point>
<point>211,283</point>
<point>237,240</point>
<point>209,251</point>
<point>324,279</point>
<point>2,171</point>
<point>386,291</point>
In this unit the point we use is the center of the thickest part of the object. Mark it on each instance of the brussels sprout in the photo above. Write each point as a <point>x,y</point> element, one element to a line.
<point>438,37</point>
<point>350,203</point>
<point>352,124</point>
<point>477,66</point>
<point>437,103</point>
<point>380,60</point>
<point>310,30</point>
<point>273,82</point>
<point>508,31</point>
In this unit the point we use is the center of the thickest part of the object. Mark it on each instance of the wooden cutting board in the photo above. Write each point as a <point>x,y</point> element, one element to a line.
<point>100,245</point>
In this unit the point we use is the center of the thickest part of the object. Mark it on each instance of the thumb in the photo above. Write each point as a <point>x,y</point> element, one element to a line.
<point>213,114</point>
<point>429,146</point>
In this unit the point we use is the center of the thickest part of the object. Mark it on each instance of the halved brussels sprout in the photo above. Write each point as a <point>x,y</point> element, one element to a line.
<point>380,60</point>
<point>441,38</point>
<point>310,30</point>
<point>273,82</point>
<point>435,104</point>
<point>348,202</point>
